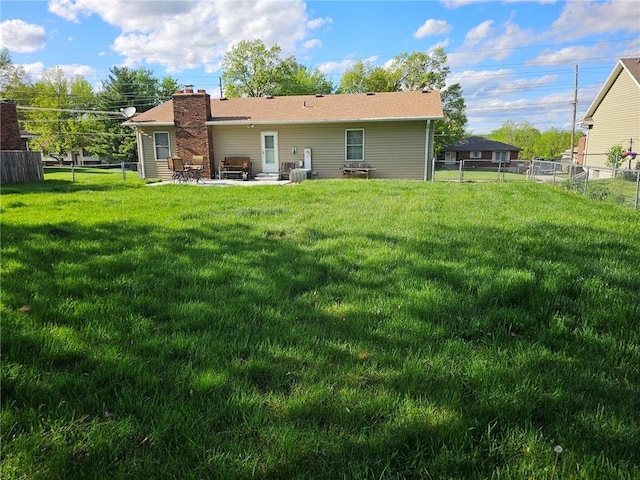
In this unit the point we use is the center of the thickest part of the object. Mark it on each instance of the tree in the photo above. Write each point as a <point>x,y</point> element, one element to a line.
<point>60,128</point>
<point>522,135</point>
<point>553,143</point>
<point>125,87</point>
<point>414,71</point>
<point>418,70</point>
<point>14,80</point>
<point>364,77</point>
<point>615,155</point>
<point>250,69</point>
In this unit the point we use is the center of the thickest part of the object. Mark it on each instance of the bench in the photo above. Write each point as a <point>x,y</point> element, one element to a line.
<point>357,169</point>
<point>235,167</point>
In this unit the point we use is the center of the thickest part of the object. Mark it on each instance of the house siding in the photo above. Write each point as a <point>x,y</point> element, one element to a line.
<point>395,149</point>
<point>155,168</point>
<point>615,121</point>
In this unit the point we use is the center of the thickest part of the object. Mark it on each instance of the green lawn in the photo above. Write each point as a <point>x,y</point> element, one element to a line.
<point>333,329</point>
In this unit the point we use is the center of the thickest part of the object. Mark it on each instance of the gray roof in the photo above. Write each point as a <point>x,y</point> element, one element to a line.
<point>480,144</point>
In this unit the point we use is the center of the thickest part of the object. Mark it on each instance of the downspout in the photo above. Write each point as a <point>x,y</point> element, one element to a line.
<point>143,170</point>
<point>427,144</point>
<point>585,155</point>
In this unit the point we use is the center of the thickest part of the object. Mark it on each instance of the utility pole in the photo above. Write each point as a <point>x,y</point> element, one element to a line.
<point>575,106</point>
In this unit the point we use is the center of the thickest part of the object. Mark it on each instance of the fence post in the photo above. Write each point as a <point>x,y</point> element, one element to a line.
<point>635,204</point>
<point>124,174</point>
<point>460,172</point>
<point>433,169</point>
<point>586,182</point>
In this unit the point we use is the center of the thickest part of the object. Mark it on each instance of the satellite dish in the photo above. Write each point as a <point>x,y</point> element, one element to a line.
<point>128,112</point>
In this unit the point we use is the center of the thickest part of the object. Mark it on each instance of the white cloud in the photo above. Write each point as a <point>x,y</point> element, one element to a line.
<point>478,33</point>
<point>581,18</point>
<point>126,14</point>
<point>182,35</point>
<point>34,70</point>
<point>319,22</point>
<point>568,55</point>
<point>75,70</point>
<point>432,27</point>
<point>313,43</point>
<point>453,4</point>
<point>22,37</point>
<point>338,67</point>
<point>499,45</point>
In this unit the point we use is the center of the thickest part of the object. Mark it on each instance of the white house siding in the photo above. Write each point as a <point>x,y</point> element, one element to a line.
<point>395,149</point>
<point>155,168</point>
<point>615,121</point>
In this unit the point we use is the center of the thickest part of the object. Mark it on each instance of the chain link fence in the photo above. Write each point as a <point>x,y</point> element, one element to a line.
<point>617,185</point>
<point>75,173</point>
<point>480,171</point>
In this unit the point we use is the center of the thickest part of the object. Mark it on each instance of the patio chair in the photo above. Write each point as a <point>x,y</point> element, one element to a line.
<point>196,168</point>
<point>177,167</point>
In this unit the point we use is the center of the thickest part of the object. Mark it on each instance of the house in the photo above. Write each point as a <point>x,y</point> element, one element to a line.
<point>75,156</point>
<point>391,132</point>
<point>480,152</point>
<point>614,116</point>
<point>25,136</point>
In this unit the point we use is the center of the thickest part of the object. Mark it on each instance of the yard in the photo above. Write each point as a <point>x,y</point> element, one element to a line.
<point>333,329</point>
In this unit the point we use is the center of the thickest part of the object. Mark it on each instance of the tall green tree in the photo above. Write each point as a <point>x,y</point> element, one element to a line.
<point>250,69</point>
<point>522,135</point>
<point>414,71</point>
<point>15,83</point>
<point>553,143</point>
<point>126,87</point>
<point>364,77</point>
<point>60,128</point>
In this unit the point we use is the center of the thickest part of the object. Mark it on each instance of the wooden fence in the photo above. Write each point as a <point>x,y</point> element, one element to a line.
<point>19,167</point>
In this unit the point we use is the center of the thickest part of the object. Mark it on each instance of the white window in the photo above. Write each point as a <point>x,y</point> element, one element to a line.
<point>500,157</point>
<point>475,154</point>
<point>161,144</point>
<point>354,145</point>
<point>449,157</point>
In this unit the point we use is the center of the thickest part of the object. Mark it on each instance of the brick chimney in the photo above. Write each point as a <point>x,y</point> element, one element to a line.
<point>9,128</point>
<point>190,114</point>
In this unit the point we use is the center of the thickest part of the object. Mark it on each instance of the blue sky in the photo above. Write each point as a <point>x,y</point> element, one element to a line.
<point>515,59</point>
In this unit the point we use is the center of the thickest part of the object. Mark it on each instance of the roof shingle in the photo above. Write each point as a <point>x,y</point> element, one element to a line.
<point>414,105</point>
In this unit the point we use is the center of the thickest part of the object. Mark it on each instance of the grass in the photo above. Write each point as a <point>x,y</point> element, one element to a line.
<point>333,329</point>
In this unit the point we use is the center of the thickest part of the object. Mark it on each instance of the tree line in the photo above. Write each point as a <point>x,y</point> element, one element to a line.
<point>249,69</point>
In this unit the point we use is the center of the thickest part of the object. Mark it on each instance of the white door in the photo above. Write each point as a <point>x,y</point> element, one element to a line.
<point>269,152</point>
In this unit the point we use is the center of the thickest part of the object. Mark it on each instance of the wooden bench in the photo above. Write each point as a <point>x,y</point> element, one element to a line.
<point>357,169</point>
<point>235,167</point>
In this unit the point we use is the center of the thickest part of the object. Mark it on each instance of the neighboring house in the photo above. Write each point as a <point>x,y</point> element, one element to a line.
<point>391,132</point>
<point>614,116</point>
<point>480,152</point>
<point>25,136</point>
<point>77,156</point>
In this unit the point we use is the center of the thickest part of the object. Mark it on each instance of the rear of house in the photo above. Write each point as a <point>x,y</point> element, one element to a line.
<point>390,132</point>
